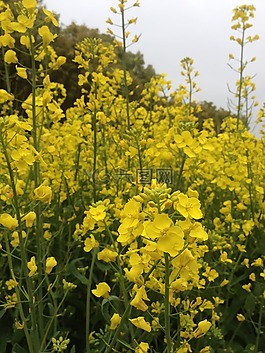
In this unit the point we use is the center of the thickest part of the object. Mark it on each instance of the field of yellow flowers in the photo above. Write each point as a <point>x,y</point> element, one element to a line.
<point>123,227</point>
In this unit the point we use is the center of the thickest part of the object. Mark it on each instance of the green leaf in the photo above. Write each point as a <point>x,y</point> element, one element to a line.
<point>250,304</point>
<point>72,349</point>
<point>2,313</point>
<point>105,308</point>
<point>74,271</point>
<point>18,349</point>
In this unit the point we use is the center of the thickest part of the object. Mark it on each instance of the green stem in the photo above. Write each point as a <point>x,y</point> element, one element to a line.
<point>24,260</point>
<point>118,330</point>
<point>126,88</point>
<point>94,126</point>
<point>7,78</point>
<point>239,108</point>
<point>167,304</point>
<point>121,279</point>
<point>259,328</point>
<point>88,300</point>
<point>48,326</point>
<point>125,67</point>
<point>181,171</point>
<point>19,302</point>
<point>37,181</point>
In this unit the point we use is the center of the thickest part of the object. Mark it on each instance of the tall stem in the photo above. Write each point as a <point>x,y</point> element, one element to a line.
<point>37,181</point>
<point>88,298</point>
<point>239,108</point>
<point>34,339</point>
<point>167,304</point>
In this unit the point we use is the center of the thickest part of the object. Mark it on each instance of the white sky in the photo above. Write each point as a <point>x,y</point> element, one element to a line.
<point>173,29</point>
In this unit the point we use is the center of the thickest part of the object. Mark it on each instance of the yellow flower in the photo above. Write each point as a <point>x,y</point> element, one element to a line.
<point>206,349</point>
<point>29,4</point>
<point>102,290</point>
<point>252,276</point>
<point>90,243</point>
<point>50,16</point>
<point>134,275</point>
<point>25,40</point>
<point>170,237</point>
<point>172,241</point>
<point>131,214</point>
<point>107,255</point>
<point>10,57</point>
<point>43,193</point>
<point>15,238</point>
<point>247,287</point>
<point>262,274</point>
<point>138,300</point>
<point>140,322</point>
<point>29,218</point>
<point>5,96</point>
<point>25,21</point>
<point>19,325</point>
<point>68,285</point>
<point>197,231</point>
<point>22,157</point>
<point>7,40</point>
<point>183,140</point>
<point>202,329</point>
<point>224,282</point>
<point>50,264</point>
<point>115,321</point>
<point>11,301</point>
<point>98,213</point>
<point>258,262</point>
<point>47,36</point>
<point>8,221</point>
<point>188,206</point>
<point>59,62</point>
<point>185,348</point>
<point>224,258</point>
<point>240,317</point>
<point>210,273</point>
<point>11,283</point>
<point>142,348</point>
<point>22,72</point>
<point>32,266</point>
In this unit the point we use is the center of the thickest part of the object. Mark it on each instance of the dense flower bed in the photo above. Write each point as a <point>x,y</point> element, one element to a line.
<point>123,227</point>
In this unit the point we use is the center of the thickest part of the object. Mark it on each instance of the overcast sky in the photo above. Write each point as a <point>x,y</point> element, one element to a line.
<point>173,29</point>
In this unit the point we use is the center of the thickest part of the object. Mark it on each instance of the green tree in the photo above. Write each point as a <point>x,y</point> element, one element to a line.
<point>210,111</point>
<point>70,36</point>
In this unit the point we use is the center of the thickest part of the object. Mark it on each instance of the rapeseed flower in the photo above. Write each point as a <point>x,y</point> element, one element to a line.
<point>115,321</point>
<point>140,322</point>
<point>143,347</point>
<point>188,206</point>
<point>90,243</point>
<point>29,218</point>
<point>5,96</point>
<point>22,72</point>
<point>170,238</point>
<point>50,264</point>
<point>10,57</point>
<point>107,255</point>
<point>139,297</point>
<point>98,213</point>
<point>43,193</point>
<point>102,290</point>
<point>29,4</point>
<point>202,329</point>
<point>11,283</point>
<point>8,221</point>
<point>32,266</point>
